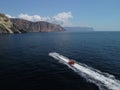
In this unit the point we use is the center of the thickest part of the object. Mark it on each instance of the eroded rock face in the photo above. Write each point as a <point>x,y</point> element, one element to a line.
<point>41,26</point>
<point>6,26</point>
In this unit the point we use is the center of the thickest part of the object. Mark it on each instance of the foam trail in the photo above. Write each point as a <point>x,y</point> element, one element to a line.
<point>105,81</point>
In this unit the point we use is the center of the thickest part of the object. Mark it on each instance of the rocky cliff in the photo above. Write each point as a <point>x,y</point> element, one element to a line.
<point>6,26</point>
<point>20,26</point>
<point>41,26</point>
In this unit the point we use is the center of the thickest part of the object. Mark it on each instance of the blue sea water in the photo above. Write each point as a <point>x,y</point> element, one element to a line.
<point>25,64</point>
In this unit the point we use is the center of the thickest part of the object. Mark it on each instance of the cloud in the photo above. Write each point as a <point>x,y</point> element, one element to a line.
<point>9,16</point>
<point>63,18</point>
<point>60,18</point>
<point>33,18</point>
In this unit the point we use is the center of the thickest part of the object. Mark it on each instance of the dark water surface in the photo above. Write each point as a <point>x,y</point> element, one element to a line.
<point>25,64</point>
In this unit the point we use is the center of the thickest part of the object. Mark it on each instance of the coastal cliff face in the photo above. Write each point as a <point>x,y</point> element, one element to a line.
<point>41,26</point>
<point>8,25</point>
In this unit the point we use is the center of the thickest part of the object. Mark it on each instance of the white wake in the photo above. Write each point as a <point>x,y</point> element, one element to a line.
<point>105,81</point>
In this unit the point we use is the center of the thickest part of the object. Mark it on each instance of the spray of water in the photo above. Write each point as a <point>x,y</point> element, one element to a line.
<point>105,81</point>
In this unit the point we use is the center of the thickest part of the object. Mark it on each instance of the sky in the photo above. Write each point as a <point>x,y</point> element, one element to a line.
<point>102,15</point>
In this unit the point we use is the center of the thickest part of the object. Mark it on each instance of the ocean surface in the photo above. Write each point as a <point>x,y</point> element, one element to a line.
<point>26,65</point>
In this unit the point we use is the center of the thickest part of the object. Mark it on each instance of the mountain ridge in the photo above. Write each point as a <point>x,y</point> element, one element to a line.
<point>15,25</point>
<point>41,26</point>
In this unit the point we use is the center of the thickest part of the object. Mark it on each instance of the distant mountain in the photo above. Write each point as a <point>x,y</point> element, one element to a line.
<point>79,29</point>
<point>8,25</point>
<point>40,26</point>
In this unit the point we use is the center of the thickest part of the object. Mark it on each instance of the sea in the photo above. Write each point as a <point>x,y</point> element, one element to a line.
<point>26,65</point>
